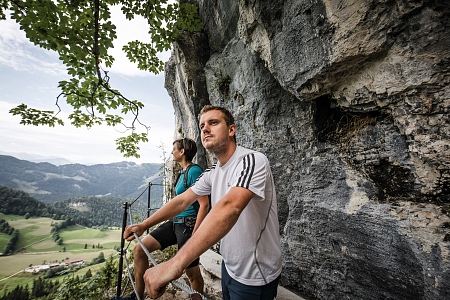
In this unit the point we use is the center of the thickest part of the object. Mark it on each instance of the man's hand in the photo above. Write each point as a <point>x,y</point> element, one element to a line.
<point>129,230</point>
<point>158,277</point>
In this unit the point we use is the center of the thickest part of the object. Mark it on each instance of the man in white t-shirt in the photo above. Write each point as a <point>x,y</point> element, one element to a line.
<point>243,217</point>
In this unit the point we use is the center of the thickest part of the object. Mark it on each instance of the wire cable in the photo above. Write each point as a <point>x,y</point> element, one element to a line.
<point>184,287</point>
<point>131,279</point>
<point>176,283</point>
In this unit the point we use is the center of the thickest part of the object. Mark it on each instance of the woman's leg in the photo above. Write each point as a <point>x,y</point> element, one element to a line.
<point>141,262</point>
<point>193,272</point>
<point>195,278</point>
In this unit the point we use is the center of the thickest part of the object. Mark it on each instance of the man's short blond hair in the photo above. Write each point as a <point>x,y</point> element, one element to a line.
<point>228,117</point>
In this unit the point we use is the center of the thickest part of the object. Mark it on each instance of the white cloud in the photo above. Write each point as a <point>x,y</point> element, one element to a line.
<point>17,52</point>
<point>127,31</point>
<point>78,145</point>
<point>20,54</point>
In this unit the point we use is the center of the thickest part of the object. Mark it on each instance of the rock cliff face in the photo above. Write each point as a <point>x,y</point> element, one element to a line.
<point>350,102</point>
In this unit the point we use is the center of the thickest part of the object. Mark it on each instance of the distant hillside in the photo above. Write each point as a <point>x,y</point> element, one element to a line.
<point>86,211</point>
<point>106,211</point>
<point>51,183</point>
<point>19,203</point>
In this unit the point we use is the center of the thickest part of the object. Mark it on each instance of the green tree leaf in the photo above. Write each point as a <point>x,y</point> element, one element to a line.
<point>82,33</point>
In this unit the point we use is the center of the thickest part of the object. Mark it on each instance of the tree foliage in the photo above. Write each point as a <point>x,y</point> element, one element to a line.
<point>20,203</point>
<point>5,227</point>
<point>19,292</point>
<point>93,287</point>
<point>82,33</point>
<point>10,247</point>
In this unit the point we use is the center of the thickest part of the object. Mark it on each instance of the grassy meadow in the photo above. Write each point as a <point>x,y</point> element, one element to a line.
<point>4,240</point>
<point>39,247</point>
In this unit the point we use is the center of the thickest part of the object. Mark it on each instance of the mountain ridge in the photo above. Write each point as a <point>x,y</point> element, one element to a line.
<point>57,161</point>
<point>51,183</point>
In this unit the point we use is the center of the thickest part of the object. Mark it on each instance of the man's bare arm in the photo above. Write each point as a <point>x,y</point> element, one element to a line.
<point>172,208</point>
<point>216,225</point>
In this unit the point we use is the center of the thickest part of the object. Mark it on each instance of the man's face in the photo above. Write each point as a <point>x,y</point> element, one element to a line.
<point>214,131</point>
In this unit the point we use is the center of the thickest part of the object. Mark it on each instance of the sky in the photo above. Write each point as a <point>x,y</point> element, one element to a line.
<point>30,75</point>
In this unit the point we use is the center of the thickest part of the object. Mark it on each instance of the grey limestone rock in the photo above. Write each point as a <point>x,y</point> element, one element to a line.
<point>350,102</point>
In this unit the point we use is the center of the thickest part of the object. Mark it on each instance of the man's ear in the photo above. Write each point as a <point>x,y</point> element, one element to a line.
<point>232,130</point>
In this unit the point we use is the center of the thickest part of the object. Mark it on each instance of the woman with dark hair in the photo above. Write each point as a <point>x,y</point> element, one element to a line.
<point>179,229</point>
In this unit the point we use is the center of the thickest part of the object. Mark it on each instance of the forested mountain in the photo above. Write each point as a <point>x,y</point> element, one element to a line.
<point>86,211</point>
<point>51,183</point>
<point>20,203</point>
<point>107,211</point>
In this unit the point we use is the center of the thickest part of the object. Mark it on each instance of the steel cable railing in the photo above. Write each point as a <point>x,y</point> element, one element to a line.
<point>127,212</point>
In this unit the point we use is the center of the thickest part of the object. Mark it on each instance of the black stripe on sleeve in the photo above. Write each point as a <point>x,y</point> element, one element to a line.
<point>247,171</point>
<point>205,171</point>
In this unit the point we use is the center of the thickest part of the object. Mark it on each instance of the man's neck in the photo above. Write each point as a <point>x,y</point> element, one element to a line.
<point>224,157</point>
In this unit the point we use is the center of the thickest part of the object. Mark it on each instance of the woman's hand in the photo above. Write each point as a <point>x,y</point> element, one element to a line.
<point>129,231</point>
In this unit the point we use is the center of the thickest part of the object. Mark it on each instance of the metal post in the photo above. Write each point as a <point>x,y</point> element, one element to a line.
<point>148,203</point>
<point>122,245</point>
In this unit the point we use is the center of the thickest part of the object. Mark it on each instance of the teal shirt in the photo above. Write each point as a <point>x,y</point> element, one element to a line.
<point>194,173</point>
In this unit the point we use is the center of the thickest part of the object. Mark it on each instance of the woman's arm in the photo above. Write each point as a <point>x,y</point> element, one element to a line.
<point>202,211</point>
<point>168,211</point>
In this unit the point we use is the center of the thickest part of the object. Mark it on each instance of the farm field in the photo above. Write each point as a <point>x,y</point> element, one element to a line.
<point>39,248</point>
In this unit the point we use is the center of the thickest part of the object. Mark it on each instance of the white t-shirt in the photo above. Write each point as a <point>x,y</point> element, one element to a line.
<point>257,227</point>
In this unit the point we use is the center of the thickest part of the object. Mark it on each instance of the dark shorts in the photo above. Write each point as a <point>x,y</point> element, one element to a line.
<point>168,234</point>
<point>234,290</point>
